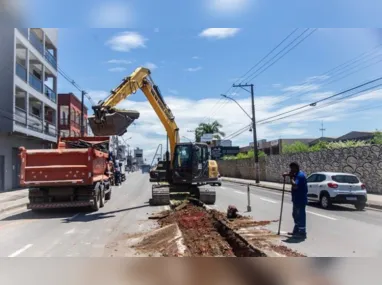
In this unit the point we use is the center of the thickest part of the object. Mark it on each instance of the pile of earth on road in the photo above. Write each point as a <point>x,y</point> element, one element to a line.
<point>194,230</point>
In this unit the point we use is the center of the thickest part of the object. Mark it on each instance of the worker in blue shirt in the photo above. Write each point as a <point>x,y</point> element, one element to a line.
<point>299,199</point>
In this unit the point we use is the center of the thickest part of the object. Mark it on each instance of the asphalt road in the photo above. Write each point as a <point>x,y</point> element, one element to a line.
<point>338,232</point>
<point>74,233</point>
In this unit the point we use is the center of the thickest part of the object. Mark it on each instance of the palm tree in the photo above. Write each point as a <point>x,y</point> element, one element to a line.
<point>209,128</point>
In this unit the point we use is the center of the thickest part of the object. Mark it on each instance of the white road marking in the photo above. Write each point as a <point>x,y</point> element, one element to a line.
<point>70,232</point>
<point>268,200</point>
<point>21,250</point>
<point>239,192</point>
<point>322,216</point>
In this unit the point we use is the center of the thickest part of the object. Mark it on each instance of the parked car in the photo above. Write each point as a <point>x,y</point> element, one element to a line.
<point>218,182</point>
<point>329,188</point>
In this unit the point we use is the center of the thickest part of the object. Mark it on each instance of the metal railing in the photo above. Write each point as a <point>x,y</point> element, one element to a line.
<point>20,117</point>
<point>21,71</point>
<point>50,94</point>
<point>35,82</point>
<point>51,59</point>
<point>64,122</point>
<point>35,123</point>
<point>36,42</point>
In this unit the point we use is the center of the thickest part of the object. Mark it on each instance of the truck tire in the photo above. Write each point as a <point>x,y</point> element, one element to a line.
<point>96,200</point>
<point>108,195</point>
<point>102,197</point>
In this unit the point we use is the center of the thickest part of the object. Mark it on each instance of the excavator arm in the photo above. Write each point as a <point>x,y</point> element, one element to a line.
<point>108,120</point>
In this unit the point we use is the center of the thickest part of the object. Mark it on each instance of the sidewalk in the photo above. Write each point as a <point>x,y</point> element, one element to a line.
<point>374,201</point>
<point>13,199</point>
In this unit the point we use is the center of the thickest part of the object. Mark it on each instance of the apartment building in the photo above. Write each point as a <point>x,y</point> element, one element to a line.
<point>69,116</point>
<point>28,107</point>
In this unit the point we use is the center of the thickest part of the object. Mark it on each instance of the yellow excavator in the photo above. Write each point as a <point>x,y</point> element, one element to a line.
<point>189,171</point>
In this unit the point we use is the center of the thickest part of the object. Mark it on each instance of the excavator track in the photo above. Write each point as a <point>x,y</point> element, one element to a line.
<point>160,195</point>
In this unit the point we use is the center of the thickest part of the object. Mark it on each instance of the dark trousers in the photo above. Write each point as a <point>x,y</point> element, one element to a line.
<point>299,217</point>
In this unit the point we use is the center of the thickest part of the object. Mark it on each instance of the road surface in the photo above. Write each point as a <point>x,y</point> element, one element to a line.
<point>339,232</point>
<point>74,233</point>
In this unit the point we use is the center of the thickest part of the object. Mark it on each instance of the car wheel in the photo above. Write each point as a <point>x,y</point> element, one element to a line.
<point>325,201</point>
<point>360,206</point>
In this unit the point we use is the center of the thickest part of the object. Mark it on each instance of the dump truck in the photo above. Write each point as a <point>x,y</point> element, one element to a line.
<point>76,174</point>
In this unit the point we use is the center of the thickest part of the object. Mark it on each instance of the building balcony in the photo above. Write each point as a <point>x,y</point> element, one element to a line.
<point>35,83</point>
<point>51,59</point>
<point>36,42</point>
<point>24,32</point>
<point>21,72</point>
<point>20,117</point>
<point>50,94</point>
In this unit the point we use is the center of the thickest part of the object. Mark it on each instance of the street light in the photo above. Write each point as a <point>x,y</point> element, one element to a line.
<point>253,129</point>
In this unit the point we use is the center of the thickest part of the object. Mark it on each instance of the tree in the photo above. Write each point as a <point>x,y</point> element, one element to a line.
<point>296,147</point>
<point>209,128</point>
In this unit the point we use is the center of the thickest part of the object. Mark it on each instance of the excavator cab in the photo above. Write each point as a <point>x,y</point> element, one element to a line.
<point>190,164</point>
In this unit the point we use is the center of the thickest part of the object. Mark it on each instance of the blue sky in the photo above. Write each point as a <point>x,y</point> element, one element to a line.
<point>193,65</point>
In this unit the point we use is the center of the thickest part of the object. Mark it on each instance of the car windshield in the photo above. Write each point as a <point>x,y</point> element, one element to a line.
<point>350,179</point>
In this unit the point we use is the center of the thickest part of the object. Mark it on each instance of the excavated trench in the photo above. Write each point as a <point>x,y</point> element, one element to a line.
<point>208,233</point>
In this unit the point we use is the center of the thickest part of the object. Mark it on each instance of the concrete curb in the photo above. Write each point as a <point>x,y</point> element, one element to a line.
<point>13,207</point>
<point>370,205</point>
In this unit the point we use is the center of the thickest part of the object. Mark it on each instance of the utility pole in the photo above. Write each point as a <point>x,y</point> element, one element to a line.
<point>255,148</point>
<point>82,113</point>
<point>322,129</point>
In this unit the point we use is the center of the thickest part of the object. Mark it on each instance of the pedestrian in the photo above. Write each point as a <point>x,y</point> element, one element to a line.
<point>299,199</point>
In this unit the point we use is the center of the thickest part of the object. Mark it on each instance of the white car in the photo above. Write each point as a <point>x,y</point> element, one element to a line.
<point>336,188</point>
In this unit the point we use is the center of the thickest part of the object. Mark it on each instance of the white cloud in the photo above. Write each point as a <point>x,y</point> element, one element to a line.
<point>194,69</point>
<point>228,7</point>
<point>276,85</point>
<point>119,61</point>
<point>195,57</point>
<point>373,95</point>
<point>156,30</point>
<point>149,132</point>
<point>150,65</point>
<point>318,95</point>
<point>117,69</point>
<point>219,33</point>
<point>126,41</point>
<point>317,78</point>
<point>301,88</point>
<point>111,14</point>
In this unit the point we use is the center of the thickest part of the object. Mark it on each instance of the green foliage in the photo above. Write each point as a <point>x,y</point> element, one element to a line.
<point>209,128</point>
<point>296,147</point>
<point>299,147</point>
<point>250,154</point>
<point>377,139</point>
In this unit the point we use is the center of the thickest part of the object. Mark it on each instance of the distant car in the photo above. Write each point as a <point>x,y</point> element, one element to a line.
<point>218,182</point>
<point>329,188</point>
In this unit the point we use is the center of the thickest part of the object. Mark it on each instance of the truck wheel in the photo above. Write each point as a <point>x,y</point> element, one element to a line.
<point>96,200</point>
<point>102,197</point>
<point>108,195</point>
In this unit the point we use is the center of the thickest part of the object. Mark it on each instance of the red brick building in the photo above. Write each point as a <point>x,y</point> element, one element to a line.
<point>69,116</point>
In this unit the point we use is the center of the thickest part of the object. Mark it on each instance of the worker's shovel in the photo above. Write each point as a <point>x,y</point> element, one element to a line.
<point>282,206</point>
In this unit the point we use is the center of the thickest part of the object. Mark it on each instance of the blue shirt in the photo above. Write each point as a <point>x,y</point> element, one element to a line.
<point>300,191</point>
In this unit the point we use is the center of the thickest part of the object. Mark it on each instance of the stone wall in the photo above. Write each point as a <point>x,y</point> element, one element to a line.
<point>365,162</point>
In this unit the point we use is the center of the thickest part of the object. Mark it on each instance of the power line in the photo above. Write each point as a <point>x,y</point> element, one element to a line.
<point>266,121</point>
<point>225,101</point>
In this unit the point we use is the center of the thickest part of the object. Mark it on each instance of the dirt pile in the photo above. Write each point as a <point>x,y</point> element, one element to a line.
<point>199,233</point>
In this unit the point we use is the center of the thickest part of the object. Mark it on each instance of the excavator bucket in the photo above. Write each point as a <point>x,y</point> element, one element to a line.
<point>115,124</point>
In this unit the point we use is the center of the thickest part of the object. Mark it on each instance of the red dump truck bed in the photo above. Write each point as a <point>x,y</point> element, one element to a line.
<point>67,176</point>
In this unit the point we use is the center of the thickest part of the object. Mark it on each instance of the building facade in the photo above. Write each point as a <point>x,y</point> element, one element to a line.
<point>28,84</point>
<point>69,116</point>
<point>138,156</point>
